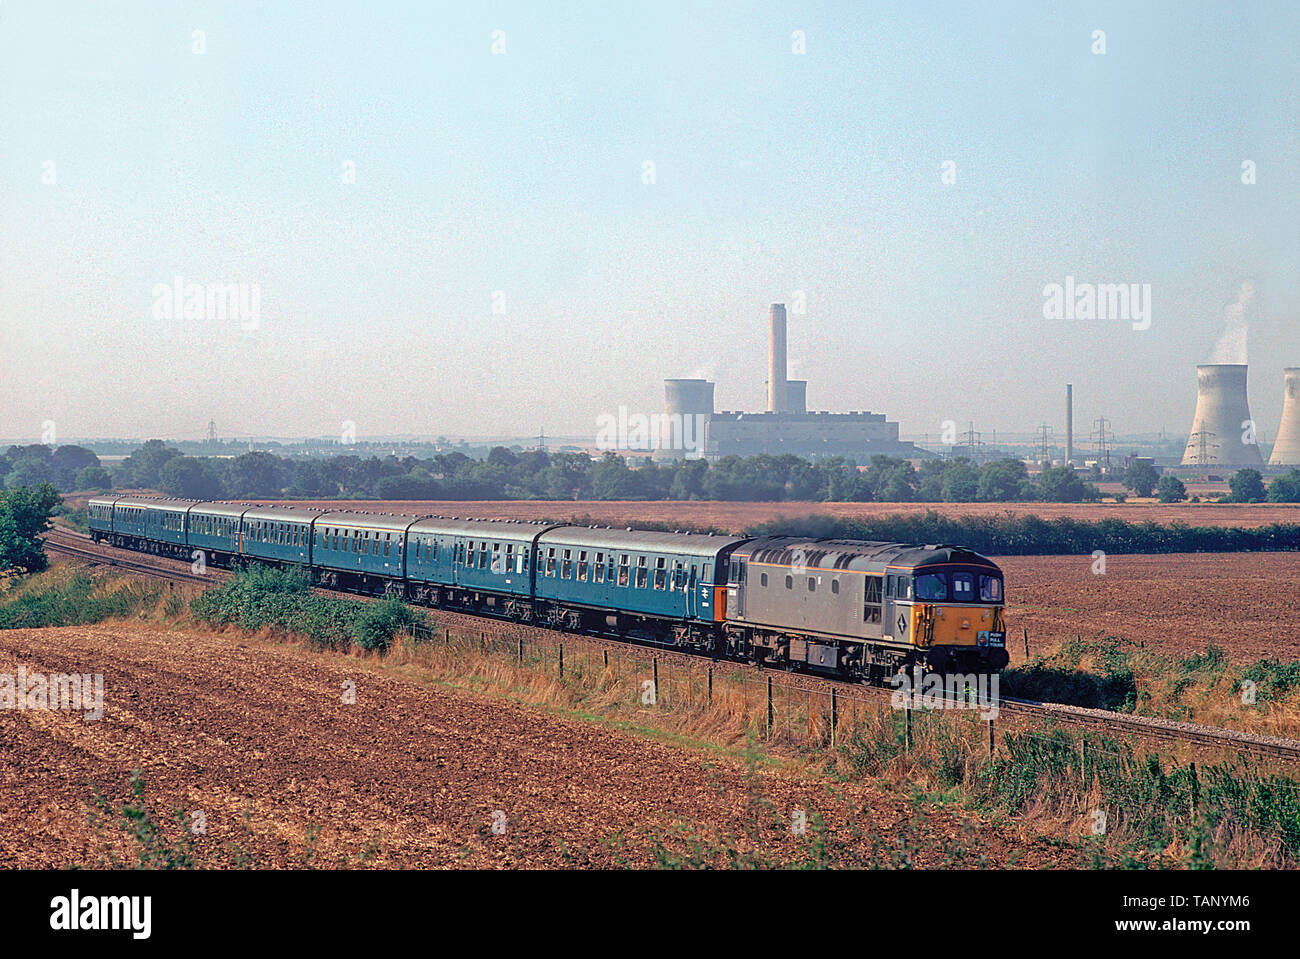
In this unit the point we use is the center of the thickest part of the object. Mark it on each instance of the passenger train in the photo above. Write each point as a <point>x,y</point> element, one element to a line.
<point>849,608</point>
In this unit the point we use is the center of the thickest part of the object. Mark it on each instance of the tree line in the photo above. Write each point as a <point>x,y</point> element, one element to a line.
<point>506,474</point>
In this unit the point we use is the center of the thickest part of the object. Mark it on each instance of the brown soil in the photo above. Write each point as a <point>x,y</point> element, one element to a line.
<point>255,734</point>
<point>739,516</point>
<point>1247,603</point>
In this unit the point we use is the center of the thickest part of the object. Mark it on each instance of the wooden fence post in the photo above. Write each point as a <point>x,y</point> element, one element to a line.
<point>835,714</point>
<point>655,666</point>
<point>769,704</point>
<point>710,686</point>
<point>561,645</point>
<point>1026,631</point>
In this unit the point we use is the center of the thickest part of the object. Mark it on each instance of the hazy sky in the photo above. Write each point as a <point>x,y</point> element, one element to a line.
<point>518,179</point>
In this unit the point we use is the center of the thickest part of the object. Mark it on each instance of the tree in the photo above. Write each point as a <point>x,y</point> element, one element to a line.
<point>25,514</point>
<point>143,468</point>
<point>189,478</point>
<point>258,474</point>
<point>1246,486</point>
<point>1004,481</point>
<point>1170,489</point>
<point>1060,484</point>
<point>67,462</point>
<point>94,477</point>
<point>1285,488</point>
<point>1141,477</point>
<point>961,482</point>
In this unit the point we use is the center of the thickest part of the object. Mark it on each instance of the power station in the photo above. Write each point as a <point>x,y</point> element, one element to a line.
<point>1223,432</point>
<point>785,427</point>
<point>1286,451</point>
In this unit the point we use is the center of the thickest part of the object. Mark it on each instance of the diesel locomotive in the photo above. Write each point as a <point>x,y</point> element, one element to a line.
<point>849,608</point>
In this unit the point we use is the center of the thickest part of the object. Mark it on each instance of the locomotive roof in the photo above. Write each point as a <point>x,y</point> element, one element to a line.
<point>853,554</point>
<point>693,544</point>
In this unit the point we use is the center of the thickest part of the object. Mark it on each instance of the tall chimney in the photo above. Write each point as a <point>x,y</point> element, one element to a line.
<point>1069,424</point>
<point>1286,451</point>
<point>1220,429</point>
<point>776,368</point>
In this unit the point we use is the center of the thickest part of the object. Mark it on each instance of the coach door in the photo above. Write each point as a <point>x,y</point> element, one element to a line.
<point>736,588</point>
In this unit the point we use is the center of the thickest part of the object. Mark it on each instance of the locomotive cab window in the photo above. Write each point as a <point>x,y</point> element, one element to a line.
<point>932,587</point>
<point>963,587</point>
<point>991,589</point>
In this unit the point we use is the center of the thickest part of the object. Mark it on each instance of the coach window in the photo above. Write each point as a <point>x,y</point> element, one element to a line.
<point>642,572</point>
<point>550,561</point>
<point>388,543</point>
<point>599,568</point>
<point>871,604</point>
<point>812,584</point>
<point>566,565</point>
<point>963,587</point>
<point>660,573</point>
<point>762,579</point>
<point>483,555</point>
<point>622,569</point>
<point>582,566</point>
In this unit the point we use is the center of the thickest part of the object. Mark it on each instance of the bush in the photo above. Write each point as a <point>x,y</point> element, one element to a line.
<point>267,598</point>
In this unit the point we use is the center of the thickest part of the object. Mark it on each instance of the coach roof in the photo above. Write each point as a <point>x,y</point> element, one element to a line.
<point>634,540</point>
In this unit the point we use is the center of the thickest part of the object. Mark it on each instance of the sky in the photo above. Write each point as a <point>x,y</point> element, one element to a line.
<point>520,217</point>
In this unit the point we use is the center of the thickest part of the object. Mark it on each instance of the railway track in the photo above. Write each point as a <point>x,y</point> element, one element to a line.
<point>81,548</point>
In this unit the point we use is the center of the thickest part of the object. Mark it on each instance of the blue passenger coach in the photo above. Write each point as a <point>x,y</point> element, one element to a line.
<point>473,563</point>
<point>633,576</point>
<point>279,533</point>
<point>357,550</point>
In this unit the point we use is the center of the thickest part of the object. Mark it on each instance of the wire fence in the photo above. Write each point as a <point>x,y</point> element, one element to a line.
<point>774,710</point>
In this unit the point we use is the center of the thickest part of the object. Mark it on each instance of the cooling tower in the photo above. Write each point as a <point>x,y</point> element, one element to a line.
<point>1286,451</point>
<point>776,363</point>
<point>1222,421</point>
<point>688,405</point>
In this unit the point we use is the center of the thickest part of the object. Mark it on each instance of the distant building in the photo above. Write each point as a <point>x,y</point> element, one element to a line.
<point>691,427</point>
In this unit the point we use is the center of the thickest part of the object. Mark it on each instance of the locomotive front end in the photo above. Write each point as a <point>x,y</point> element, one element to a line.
<point>956,617</point>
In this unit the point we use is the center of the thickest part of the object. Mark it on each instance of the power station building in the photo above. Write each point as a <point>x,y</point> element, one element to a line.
<point>785,427</point>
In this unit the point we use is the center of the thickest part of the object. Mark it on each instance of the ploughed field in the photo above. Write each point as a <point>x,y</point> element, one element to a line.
<point>1246,603</point>
<point>256,735</point>
<point>735,517</point>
